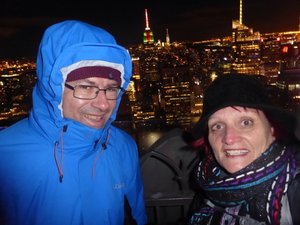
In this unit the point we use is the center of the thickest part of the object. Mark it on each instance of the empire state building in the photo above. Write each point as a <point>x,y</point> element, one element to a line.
<point>148,34</point>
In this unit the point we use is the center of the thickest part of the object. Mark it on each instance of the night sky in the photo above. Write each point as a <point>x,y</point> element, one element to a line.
<point>22,22</point>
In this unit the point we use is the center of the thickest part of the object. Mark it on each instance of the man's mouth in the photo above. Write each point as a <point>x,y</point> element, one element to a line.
<point>93,117</point>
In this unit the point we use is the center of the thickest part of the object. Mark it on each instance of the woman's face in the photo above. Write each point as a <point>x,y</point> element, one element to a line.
<point>238,136</point>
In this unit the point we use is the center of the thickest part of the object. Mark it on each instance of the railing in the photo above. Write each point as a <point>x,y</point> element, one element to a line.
<point>166,170</point>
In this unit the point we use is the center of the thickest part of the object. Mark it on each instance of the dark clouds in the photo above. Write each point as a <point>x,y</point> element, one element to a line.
<point>23,22</point>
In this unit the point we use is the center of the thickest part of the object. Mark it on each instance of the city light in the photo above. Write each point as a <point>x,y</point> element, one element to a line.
<point>166,89</point>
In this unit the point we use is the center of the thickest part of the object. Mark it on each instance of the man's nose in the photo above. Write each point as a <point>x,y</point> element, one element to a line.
<point>101,101</point>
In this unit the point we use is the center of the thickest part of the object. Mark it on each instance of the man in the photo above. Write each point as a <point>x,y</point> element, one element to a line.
<point>66,163</point>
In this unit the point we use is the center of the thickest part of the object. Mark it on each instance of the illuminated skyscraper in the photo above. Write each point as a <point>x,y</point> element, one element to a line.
<point>246,47</point>
<point>148,34</point>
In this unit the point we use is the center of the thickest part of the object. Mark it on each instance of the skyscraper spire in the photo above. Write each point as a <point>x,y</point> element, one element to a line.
<point>241,11</point>
<point>147,20</point>
<point>148,34</point>
<point>167,37</point>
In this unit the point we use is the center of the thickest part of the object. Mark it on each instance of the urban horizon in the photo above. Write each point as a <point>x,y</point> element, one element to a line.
<point>189,21</point>
<point>170,74</point>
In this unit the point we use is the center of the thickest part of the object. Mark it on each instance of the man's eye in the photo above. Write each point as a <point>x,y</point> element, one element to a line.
<point>85,87</point>
<point>112,89</point>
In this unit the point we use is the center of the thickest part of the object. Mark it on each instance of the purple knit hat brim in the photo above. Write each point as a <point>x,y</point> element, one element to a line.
<point>95,71</point>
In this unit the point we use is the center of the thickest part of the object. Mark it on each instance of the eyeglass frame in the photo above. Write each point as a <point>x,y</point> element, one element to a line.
<point>73,88</point>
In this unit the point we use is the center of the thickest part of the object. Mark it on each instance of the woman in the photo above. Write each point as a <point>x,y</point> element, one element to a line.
<point>249,173</point>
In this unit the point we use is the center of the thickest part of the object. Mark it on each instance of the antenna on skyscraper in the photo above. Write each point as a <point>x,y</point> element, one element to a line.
<point>241,11</point>
<point>147,20</point>
<point>167,37</point>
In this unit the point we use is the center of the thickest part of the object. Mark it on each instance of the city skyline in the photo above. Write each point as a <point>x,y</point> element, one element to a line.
<point>22,23</point>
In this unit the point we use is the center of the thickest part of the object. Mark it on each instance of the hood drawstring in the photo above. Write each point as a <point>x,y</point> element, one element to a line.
<point>60,164</point>
<point>104,145</point>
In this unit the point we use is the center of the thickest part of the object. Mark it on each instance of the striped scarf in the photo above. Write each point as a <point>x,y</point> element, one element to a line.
<point>255,191</point>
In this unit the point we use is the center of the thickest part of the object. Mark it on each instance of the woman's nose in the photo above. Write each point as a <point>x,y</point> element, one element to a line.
<point>230,135</point>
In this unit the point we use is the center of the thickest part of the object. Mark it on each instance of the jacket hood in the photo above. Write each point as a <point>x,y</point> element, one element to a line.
<point>72,43</point>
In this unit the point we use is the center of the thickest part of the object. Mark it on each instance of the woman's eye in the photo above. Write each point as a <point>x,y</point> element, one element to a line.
<point>247,123</point>
<point>216,127</point>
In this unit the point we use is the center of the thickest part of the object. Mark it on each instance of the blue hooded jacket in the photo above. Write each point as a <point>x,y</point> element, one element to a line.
<point>57,171</point>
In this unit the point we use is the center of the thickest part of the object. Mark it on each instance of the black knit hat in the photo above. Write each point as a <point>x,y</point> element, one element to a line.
<point>246,91</point>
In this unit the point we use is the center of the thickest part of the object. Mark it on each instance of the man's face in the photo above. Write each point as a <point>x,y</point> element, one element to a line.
<point>93,113</point>
<point>238,136</point>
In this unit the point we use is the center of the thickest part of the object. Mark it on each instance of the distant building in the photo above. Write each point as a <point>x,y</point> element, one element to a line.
<point>148,34</point>
<point>289,76</point>
<point>17,79</point>
<point>176,93</point>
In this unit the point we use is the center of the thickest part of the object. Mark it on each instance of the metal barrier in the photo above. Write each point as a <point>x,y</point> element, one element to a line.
<point>166,172</point>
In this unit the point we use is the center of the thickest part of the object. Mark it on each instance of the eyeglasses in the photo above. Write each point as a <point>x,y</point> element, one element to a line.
<point>89,92</point>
